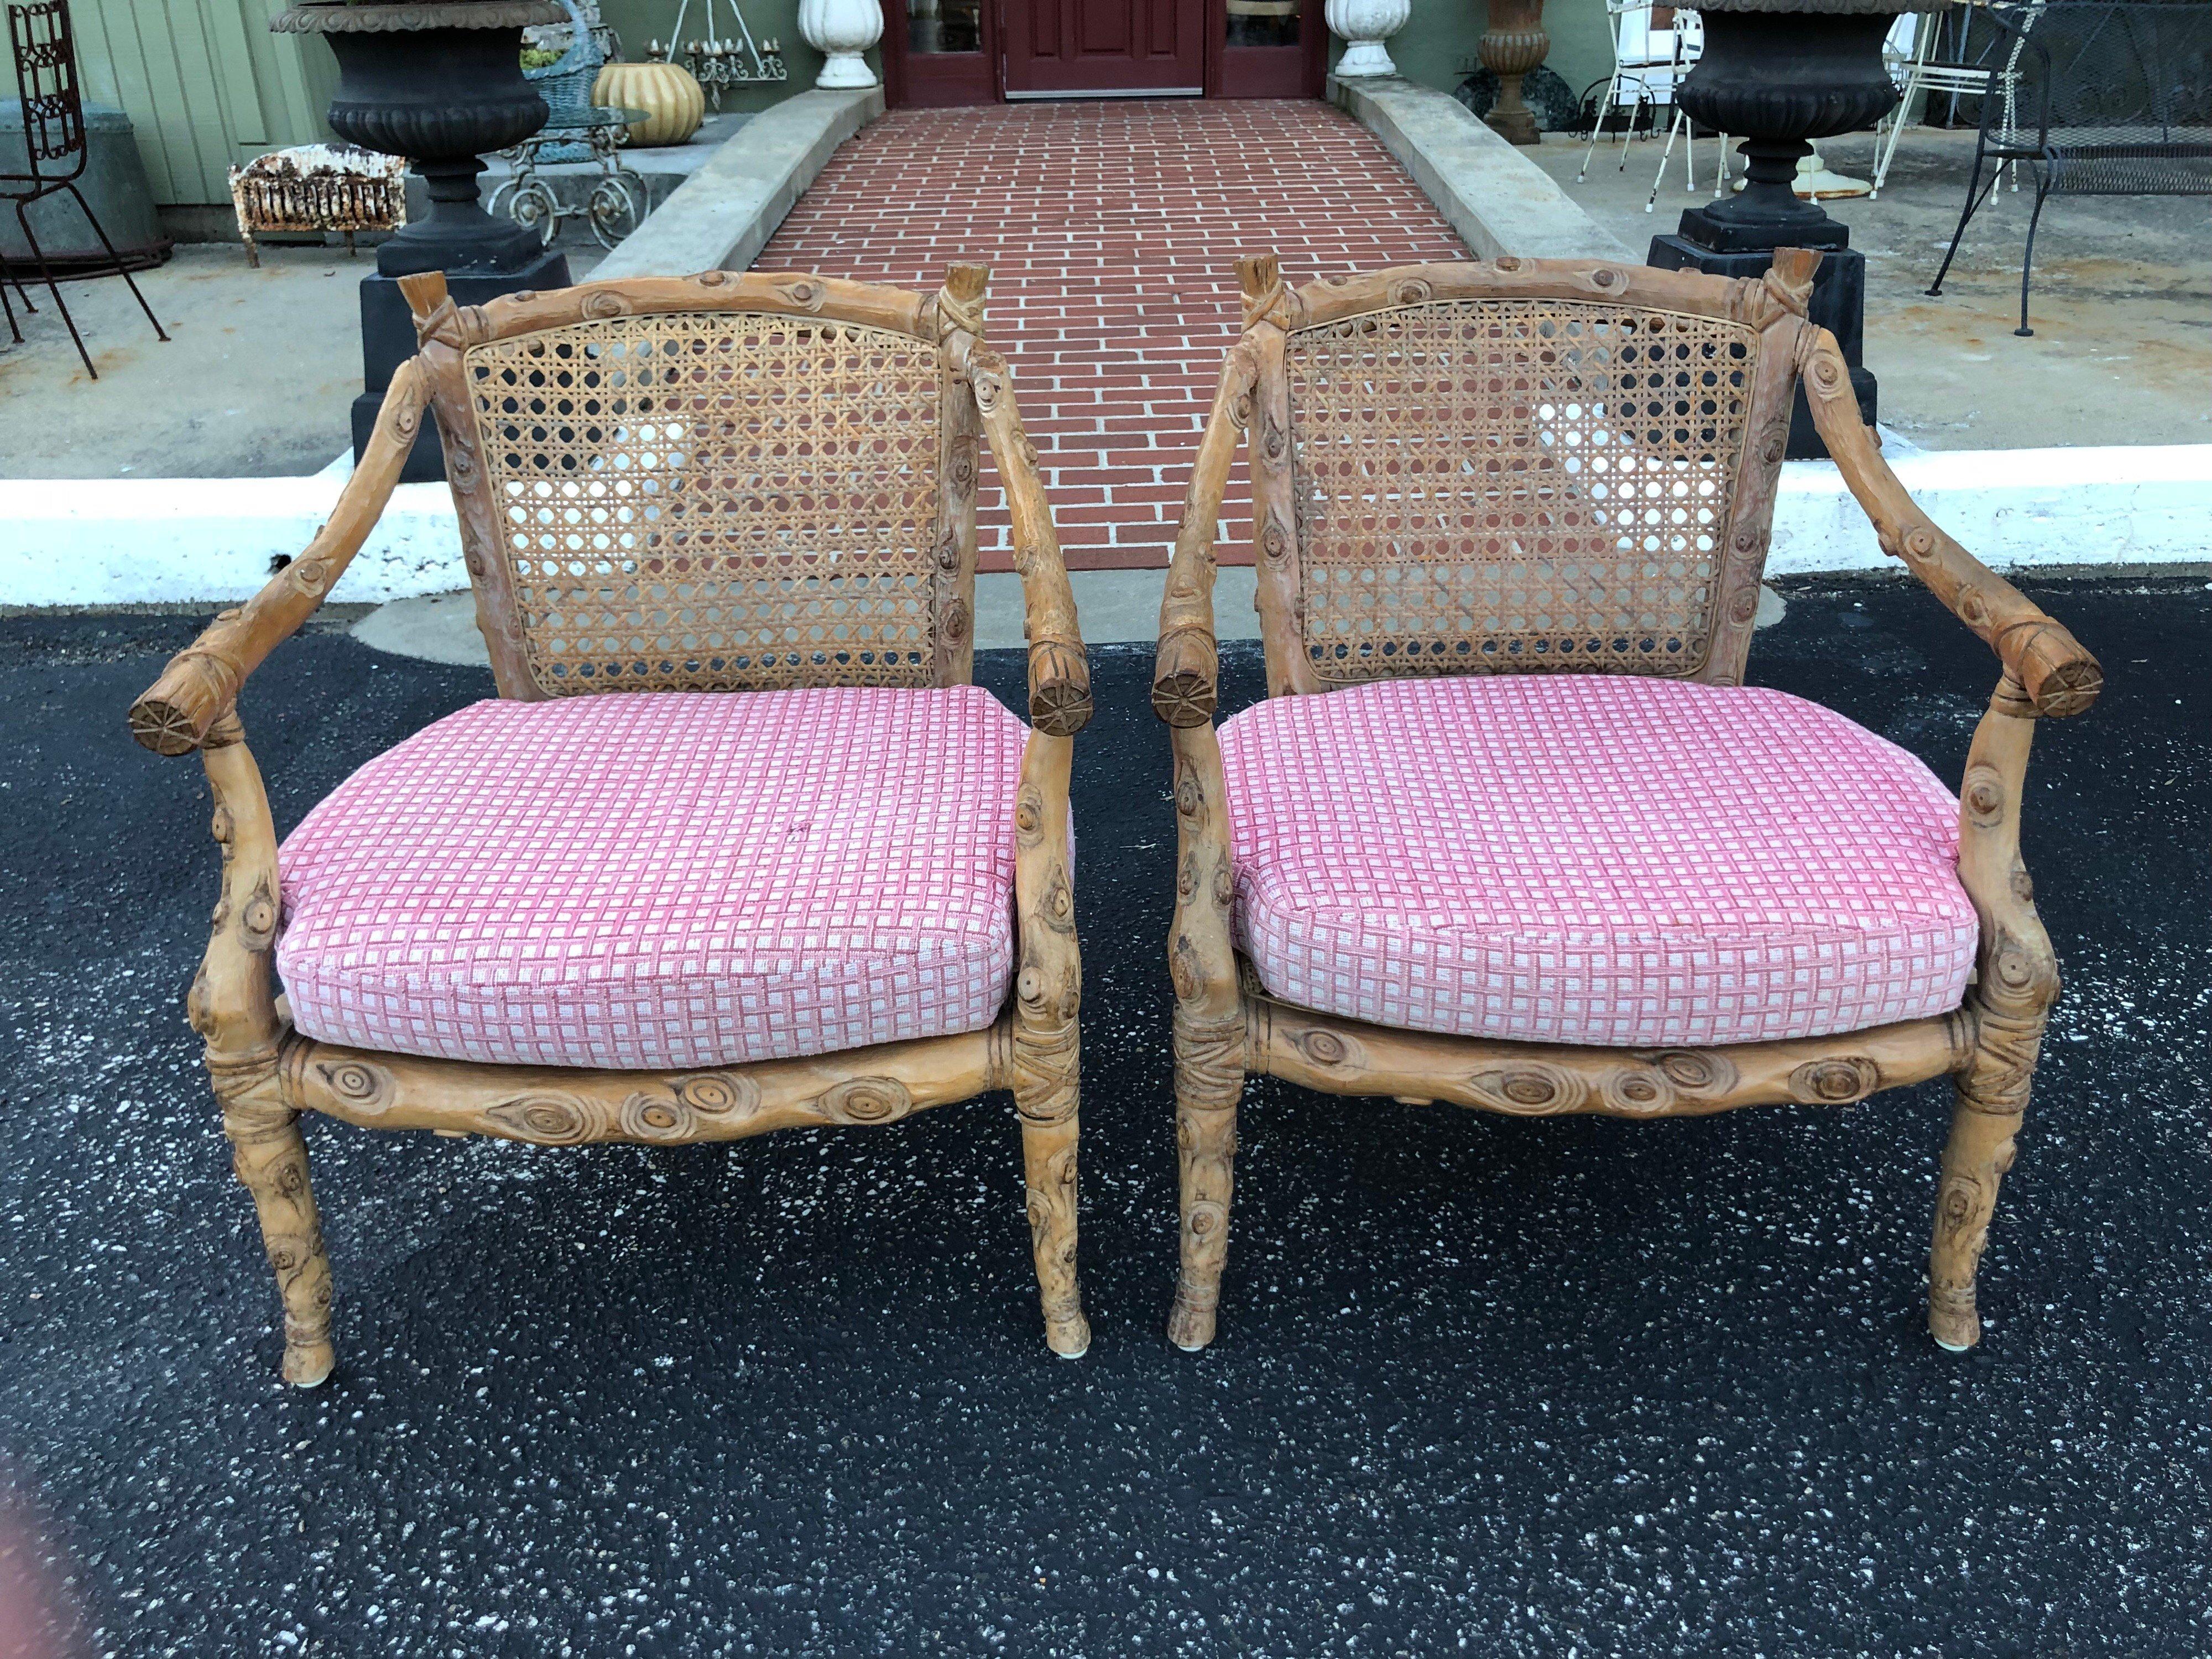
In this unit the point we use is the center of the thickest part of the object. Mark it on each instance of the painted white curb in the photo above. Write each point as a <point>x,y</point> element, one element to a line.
<point>2012,508</point>
<point>135,541</point>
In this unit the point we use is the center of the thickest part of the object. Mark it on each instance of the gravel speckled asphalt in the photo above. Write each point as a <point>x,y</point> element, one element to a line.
<point>1500,1387</point>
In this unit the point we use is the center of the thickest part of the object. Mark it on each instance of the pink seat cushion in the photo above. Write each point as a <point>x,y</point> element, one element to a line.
<point>1586,859</point>
<point>663,880</point>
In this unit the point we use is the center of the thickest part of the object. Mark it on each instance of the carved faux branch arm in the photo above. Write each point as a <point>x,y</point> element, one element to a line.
<point>1186,675</point>
<point>202,681</point>
<point>1059,674</point>
<point>2058,676</point>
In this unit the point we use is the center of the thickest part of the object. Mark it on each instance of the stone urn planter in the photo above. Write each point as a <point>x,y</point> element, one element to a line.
<point>1363,26</point>
<point>1514,45</point>
<point>1781,73</point>
<point>442,85</point>
<point>840,30</point>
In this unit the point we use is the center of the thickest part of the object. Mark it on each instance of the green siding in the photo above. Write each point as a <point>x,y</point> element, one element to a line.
<point>204,83</point>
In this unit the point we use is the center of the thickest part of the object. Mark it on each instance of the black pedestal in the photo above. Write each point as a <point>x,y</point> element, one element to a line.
<point>1838,305</point>
<point>387,340</point>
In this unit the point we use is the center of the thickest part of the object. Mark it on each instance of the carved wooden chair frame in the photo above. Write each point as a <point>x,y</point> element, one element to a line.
<point>266,1072</point>
<point>1228,1028</point>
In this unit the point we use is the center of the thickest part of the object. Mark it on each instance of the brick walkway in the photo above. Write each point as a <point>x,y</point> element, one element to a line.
<point>1112,231</point>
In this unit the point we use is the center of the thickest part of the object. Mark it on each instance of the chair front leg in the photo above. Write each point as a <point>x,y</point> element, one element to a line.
<point>1047,1093</point>
<point>1048,991</point>
<point>1209,1031</point>
<point>2016,984</point>
<point>270,1158</point>
<point>234,1007</point>
<point>1209,1081</point>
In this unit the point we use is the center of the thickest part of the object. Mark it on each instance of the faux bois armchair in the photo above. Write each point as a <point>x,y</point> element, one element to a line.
<point>1509,831</point>
<point>738,846</point>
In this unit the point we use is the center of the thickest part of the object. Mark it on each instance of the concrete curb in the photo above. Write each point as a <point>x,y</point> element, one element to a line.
<point>151,541</point>
<point>1497,199</point>
<point>723,216</point>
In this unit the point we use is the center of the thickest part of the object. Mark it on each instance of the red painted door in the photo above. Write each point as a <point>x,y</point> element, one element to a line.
<point>1059,48</point>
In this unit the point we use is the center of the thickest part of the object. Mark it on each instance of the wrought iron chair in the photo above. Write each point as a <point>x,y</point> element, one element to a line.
<point>1509,831</point>
<point>2108,98</point>
<point>738,846</point>
<point>54,145</point>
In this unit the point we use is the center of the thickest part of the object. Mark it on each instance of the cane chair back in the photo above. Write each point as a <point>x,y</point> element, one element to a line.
<point>712,483</point>
<point>1518,469</point>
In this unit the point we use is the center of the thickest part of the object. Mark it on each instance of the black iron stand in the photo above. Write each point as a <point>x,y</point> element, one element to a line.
<point>482,259</point>
<point>441,85</point>
<point>1784,79</point>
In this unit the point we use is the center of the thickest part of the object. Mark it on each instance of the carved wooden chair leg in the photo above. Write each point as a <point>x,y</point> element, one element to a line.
<point>1050,1133</point>
<point>1209,1082</point>
<point>2016,984</point>
<point>1975,1160</point>
<point>270,1158</point>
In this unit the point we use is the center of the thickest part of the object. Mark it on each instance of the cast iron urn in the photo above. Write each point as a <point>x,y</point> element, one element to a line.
<point>442,85</point>
<point>1781,73</point>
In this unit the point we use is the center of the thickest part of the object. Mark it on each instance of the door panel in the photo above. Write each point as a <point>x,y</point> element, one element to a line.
<point>939,54</point>
<point>1267,48</point>
<point>1059,47</point>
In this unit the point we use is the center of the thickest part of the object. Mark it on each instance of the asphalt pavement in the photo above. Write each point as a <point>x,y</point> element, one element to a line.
<point>1504,1388</point>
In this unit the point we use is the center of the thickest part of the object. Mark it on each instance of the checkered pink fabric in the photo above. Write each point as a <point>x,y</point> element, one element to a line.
<point>1592,858</point>
<point>652,880</point>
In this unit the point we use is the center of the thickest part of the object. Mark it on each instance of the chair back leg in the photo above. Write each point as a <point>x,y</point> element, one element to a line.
<point>2028,254</point>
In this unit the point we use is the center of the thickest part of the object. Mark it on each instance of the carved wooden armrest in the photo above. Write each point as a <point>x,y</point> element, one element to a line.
<point>1060,673</point>
<point>1185,674</point>
<point>202,681</point>
<point>2058,676</point>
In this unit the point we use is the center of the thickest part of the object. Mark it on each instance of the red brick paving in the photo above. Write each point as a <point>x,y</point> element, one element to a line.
<point>1112,231</point>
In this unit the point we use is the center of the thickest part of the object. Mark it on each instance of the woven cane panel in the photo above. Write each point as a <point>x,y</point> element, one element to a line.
<point>713,502</point>
<point>1514,485</point>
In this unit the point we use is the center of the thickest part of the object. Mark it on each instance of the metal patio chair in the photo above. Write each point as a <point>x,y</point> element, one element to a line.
<point>2108,98</point>
<point>738,846</point>
<point>1647,61</point>
<point>1508,830</point>
<point>45,53</point>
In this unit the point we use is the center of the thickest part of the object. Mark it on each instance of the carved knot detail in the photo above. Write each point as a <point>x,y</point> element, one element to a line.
<point>867,1100</point>
<point>1261,305</point>
<point>1209,1060</point>
<point>1836,1082</point>
<point>955,315</point>
<point>1792,297</point>
<point>1048,1071</point>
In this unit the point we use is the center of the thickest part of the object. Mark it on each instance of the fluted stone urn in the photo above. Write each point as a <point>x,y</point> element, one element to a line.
<point>1779,73</point>
<point>441,83</point>
<point>1513,44</point>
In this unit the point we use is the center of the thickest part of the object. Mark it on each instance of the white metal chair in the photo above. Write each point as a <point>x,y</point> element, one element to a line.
<point>1689,47</point>
<point>1646,66</point>
<point>1911,51</point>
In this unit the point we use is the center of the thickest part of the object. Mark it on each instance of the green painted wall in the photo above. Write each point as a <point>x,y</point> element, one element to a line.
<point>204,83</point>
<point>1437,47</point>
